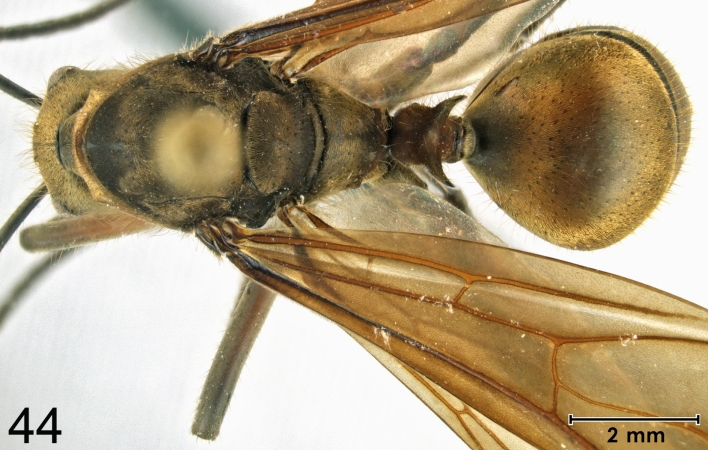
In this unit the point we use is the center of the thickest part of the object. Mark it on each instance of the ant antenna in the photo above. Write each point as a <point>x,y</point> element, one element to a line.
<point>62,23</point>
<point>21,213</point>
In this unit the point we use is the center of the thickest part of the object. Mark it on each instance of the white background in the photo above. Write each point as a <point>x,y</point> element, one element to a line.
<point>120,338</point>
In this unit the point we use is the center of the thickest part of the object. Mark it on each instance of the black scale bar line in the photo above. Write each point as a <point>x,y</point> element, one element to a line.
<point>572,419</point>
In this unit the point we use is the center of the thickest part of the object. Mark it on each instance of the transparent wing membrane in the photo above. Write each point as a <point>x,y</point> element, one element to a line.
<point>522,339</point>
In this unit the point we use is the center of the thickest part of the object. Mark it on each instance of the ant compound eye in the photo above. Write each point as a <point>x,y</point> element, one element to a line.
<point>63,145</point>
<point>59,74</point>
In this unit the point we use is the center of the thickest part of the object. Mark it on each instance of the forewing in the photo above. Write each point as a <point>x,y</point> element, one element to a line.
<point>388,72</point>
<point>476,430</point>
<point>429,45</point>
<point>521,339</point>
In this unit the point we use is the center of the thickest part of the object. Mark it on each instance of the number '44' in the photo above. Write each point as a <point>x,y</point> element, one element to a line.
<point>25,430</point>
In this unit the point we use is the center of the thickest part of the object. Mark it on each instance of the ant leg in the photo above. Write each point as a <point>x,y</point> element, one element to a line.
<point>298,216</point>
<point>449,193</point>
<point>245,323</point>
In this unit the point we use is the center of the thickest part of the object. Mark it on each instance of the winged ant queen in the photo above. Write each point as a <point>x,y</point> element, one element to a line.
<point>524,274</point>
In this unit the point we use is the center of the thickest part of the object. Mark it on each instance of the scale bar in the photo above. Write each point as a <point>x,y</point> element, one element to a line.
<point>696,420</point>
